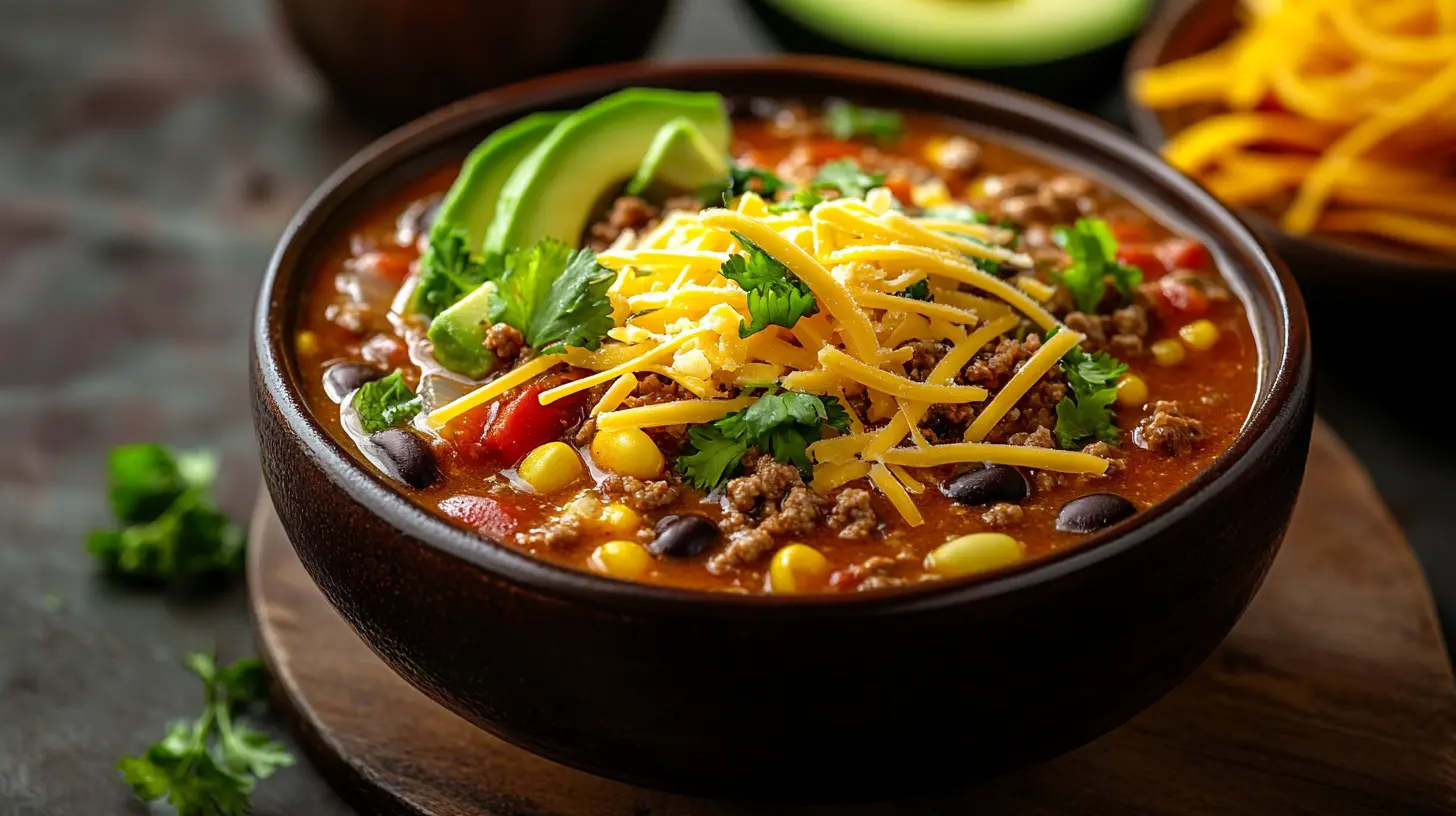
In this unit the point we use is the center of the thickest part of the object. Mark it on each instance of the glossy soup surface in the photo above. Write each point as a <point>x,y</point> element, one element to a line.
<point>346,319</point>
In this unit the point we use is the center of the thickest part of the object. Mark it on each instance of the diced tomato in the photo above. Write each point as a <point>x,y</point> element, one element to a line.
<point>391,266</point>
<point>1144,257</point>
<point>1179,301</point>
<point>899,184</point>
<point>523,423</point>
<point>1181,253</point>
<point>1129,232</point>
<point>827,150</point>
<point>485,515</point>
<point>844,580</point>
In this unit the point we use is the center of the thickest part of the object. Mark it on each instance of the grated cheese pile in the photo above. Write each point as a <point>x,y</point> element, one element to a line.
<point>677,317</point>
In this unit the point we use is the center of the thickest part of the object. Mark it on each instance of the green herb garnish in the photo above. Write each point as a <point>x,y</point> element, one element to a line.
<point>919,290</point>
<point>555,297</point>
<point>449,272</point>
<point>1093,250</point>
<point>780,425</point>
<point>775,297</point>
<point>386,402</point>
<point>1087,413</point>
<point>739,181</point>
<point>209,767</point>
<point>800,201</point>
<point>846,176</point>
<point>171,530</point>
<point>846,121</point>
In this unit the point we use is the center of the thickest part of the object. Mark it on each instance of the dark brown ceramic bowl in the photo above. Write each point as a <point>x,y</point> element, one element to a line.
<point>1183,28</point>
<point>395,59</point>
<point>772,696</point>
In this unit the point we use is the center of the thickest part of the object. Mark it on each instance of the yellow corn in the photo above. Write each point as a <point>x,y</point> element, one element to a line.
<point>1200,334</point>
<point>550,467</point>
<point>797,568</point>
<point>307,343</point>
<point>621,559</point>
<point>1132,391</point>
<point>932,193</point>
<point>1167,352</point>
<point>628,452</point>
<point>970,554</point>
<point>1038,289</point>
<point>621,519</point>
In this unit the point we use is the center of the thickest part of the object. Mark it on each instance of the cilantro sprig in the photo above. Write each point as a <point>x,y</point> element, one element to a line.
<point>209,766</point>
<point>1086,414</point>
<point>799,201</point>
<point>780,425</point>
<point>846,121</point>
<point>919,290</point>
<point>1093,250</point>
<point>742,179</point>
<point>449,272</point>
<point>775,297</point>
<point>386,402</point>
<point>170,531</point>
<point>555,297</point>
<point>846,176</point>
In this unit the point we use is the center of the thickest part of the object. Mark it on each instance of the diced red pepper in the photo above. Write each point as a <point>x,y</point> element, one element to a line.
<point>1179,301</point>
<point>486,516</point>
<point>523,423</point>
<point>844,580</point>
<point>391,266</point>
<point>899,185</point>
<point>1181,253</point>
<point>1144,257</point>
<point>1129,232</point>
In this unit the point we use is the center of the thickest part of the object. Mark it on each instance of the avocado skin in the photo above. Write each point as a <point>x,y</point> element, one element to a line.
<point>1081,81</point>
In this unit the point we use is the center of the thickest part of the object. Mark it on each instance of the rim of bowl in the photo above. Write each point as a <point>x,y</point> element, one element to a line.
<point>1147,52</point>
<point>1285,365</point>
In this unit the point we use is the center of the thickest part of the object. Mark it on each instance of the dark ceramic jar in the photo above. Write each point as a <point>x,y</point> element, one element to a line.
<point>803,696</point>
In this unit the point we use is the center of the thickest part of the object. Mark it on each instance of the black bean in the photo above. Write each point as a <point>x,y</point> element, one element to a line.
<point>1085,514</point>
<point>343,378</point>
<point>683,536</point>
<point>407,455</point>
<point>992,484</point>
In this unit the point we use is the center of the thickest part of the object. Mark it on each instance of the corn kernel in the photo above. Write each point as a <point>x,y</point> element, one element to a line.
<point>1037,289</point>
<point>586,507</point>
<point>1200,334</point>
<point>629,452</point>
<point>970,554</point>
<point>797,568</point>
<point>1132,391</point>
<point>621,519</point>
<point>550,467</point>
<point>1167,352</point>
<point>307,343</point>
<point>621,559</point>
<point>932,193</point>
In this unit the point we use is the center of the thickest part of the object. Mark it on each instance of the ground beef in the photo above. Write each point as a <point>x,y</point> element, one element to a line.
<point>924,356</point>
<point>1028,199</point>
<point>560,534</point>
<point>626,213</point>
<point>771,501</point>
<point>744,547</point>
<point>875,572</point>
<point>946,421</point>
<point>653,389</point>
<point>1115,464</point>
<point>768,482</point>
<point>993,366</point>
<point>682,204</point>
<point>505,341</point>
<point>852,515</point>
<point>639,494</point>
<point>1003,514</point>
<point>1167,430</point>
<point>1123,333</point>
<point>1040,438</point>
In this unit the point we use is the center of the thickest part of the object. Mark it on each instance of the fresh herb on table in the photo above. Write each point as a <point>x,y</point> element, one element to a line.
<point>775,297</point>
<point>846,176</point>
<point>779,425</point>
<point>919,290</point>
<point>845,121</point>
<point>1093,250</point>
<point>386,402</point>
<point>171,530</point>
<point>209,767</point>
<point>555,296</point>
<point>1087,414</point>
<point>740,180</point>
<point>449,272</point>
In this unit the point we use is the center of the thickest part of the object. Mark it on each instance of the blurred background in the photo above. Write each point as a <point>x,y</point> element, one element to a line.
<point>151,152</point>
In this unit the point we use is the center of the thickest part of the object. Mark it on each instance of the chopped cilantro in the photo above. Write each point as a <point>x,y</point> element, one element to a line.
<point>846,121</point>
<point>556,297</point>
<point>919,290</point>
<point>449,272</point>
<point>386,402</point>
<point>846,176</point>
<point>209,767</point>
<point>171,530</point>
<point>1087,413</point>
<point>780,425</point>
<point>775,297</point>
<point>740,180</point>
<point>1093,251</point>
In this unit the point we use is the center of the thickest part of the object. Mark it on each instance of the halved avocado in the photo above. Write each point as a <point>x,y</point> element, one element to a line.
<point>555,188</point>
<point>679,160</point>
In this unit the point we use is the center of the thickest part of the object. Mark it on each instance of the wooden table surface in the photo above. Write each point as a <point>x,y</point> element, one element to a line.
<point>150,153</point>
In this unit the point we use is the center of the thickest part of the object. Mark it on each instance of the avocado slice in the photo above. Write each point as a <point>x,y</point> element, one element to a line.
<point>458,334</point>
<point>679,160</point>
<point>555,188</point>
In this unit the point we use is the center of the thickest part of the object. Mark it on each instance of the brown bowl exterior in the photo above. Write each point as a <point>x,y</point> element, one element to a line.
<point>1187,27</point>
<point>808,697</point>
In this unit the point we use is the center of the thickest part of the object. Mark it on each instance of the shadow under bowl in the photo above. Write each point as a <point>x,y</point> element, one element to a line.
<point>799,697</point>
<point>1184,28</point>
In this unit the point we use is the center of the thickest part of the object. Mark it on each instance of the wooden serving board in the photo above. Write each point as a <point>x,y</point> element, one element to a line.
<point>1333,696</point>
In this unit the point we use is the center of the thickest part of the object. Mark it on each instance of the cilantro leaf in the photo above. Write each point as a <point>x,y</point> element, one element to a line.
<point>1093,251</point>
<point>845,176</point>
<point>775,297</point>
<point>1087,413</point>
<point>741,179</point>
<point>780,425</point>
<point>846,121</point>
<point>555,297</point>
<point>919,290</point>
<point>202,779</point>
<point>1090,372</point>
<point>449,272</point>
<point>800,201</point>
<point>171,531</point>
<point>386,402</point>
